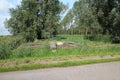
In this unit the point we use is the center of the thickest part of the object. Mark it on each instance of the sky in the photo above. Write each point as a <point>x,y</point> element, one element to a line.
<point>4,11</point>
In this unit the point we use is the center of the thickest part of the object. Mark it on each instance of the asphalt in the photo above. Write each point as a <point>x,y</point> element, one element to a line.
<point>103,71</point>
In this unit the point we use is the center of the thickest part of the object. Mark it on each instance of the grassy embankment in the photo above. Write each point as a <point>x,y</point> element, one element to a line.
<point>82,48</point>
<point>59,64</point>
<point>28,53</point>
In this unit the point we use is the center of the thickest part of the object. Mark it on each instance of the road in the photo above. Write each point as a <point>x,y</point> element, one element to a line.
<point>103,71</point>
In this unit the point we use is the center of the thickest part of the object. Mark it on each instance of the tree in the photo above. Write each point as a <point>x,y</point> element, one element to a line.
<point>80,19</point>
<point>35,19</point>
<point>67,21</point>
<point>108,15</point>
<point>96,17</point>
<point>85,20</point>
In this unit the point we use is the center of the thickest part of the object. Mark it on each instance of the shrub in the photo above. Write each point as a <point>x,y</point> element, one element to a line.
<point>99,37</point>
<point>5,50</point>
<point>22,52</point>
<point>9,44</point>
<point>115,39</point>
<point>16,42</point>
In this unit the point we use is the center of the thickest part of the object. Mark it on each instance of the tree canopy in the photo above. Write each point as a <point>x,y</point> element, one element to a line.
<point>35,18</point>
<point>94,17</point>
<point>108,16</point>
<point>41,19</point>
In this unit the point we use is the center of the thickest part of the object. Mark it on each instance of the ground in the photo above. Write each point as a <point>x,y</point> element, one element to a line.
<point>73,50</point>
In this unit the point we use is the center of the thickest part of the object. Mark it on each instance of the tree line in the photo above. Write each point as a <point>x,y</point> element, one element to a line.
<point>41,19</point>
<point>93,17</point>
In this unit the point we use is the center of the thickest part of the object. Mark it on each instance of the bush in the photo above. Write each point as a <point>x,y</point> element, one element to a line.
<point>5,50</point>
<point>46,35</point>
<point>115,39</point>
<point>105,38</point>
<point>22,52</point>
<point>16,42</point>
<point>29,35</point>
<point>99,37</point>
<point>6,46</point>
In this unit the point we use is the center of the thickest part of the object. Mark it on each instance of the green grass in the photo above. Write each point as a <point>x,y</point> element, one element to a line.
<point>68,38</point>
<point>81,50</point>
<point>59,64</point>
<point>84,48</point>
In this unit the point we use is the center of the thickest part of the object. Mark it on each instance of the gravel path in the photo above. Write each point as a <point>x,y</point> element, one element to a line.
<point>104,71</point>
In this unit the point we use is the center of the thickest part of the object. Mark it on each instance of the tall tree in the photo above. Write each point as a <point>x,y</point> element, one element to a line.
<point>82,19</point>
<point>35,19</point>
<point>67,21</point>
<point>108,15</point>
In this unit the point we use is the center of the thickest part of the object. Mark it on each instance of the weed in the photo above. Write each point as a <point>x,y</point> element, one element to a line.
<point>59,64</point>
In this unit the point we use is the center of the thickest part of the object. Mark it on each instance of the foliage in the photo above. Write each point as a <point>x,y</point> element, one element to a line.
<point>35,19</point>
<point>9,44</point>
<point>83,47</point>
<point>26,58</point>
<point>98,37</point>
<point>90,17</point>
<point>108,15</point>
<point>80,19</point>
<point>23,52</point>
<point>5,50</point>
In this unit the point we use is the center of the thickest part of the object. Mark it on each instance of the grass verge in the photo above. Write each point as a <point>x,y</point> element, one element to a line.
<point>58,64</point>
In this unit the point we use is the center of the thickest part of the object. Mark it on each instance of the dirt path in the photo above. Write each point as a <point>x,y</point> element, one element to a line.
<point>104,71</point>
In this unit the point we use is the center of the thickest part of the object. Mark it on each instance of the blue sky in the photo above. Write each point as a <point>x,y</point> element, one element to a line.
<point>4,11</point>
